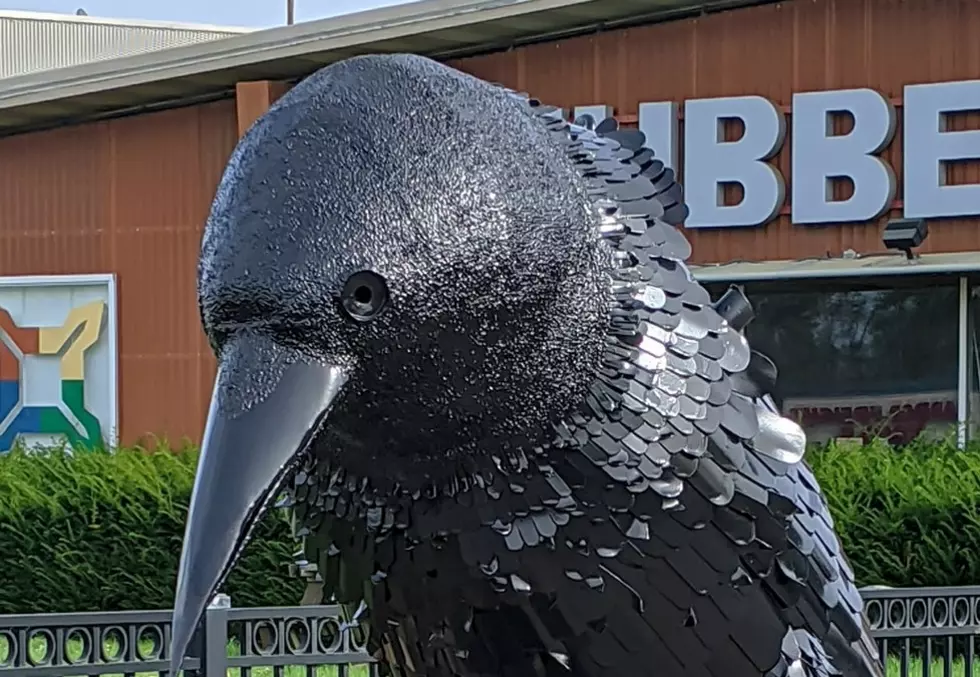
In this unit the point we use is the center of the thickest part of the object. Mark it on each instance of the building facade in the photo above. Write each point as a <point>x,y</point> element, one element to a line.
<point>799,128</point>
<point>37,41</point>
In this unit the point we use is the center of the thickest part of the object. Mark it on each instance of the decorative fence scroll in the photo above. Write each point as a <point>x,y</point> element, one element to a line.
<point>923,632</point>
<point>128,642</point>
<point>926,632</point>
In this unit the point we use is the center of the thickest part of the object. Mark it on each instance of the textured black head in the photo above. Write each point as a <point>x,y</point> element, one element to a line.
<point>417,226</point>
<point>402,272</point>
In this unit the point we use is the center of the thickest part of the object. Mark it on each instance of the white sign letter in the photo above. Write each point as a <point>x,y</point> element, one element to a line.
<point>710,162</point>
<point>598,113</point>
<point>819,157</point>
<point>929,147</point>
<point>658,122</point>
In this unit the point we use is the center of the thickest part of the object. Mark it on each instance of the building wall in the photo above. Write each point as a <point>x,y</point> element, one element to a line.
<point>772,50</point>
<point>127,196</point>
<point>33,41</point>
<point>130,196</point>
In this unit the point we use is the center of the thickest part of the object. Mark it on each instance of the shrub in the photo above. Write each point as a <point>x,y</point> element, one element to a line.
<point>95,531</point>
<point>906,517</point>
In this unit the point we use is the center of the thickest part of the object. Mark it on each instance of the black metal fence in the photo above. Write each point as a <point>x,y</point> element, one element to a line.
<point>921,632</point>
<point>927,632</point>
<point>285,641</point>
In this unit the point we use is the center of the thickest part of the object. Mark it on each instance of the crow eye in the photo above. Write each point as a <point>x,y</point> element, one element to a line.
<point>365,296</point>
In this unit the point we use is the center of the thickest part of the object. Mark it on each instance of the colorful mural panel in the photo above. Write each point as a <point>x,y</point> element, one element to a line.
<point>47,391</point>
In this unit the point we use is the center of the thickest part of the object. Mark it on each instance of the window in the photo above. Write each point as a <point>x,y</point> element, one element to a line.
<point>863,361</point>
<point>973,364</point>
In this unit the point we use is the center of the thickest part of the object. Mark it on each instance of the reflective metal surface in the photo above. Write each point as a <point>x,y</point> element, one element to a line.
<point>553,452</point>
<point>243,459</point>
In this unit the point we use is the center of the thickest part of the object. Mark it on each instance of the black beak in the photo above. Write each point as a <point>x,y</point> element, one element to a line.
<point>266,407</point>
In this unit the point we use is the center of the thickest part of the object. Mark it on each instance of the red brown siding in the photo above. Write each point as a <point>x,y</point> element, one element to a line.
<point>128,196</point>
<point>772,51</point>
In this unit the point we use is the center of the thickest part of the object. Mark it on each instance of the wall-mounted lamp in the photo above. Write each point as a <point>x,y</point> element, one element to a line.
<point>905,234</point>
<point>735,307</point>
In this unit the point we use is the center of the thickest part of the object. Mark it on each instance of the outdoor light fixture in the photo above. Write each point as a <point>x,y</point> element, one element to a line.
<point>735,307</point>
<point>905,234</point>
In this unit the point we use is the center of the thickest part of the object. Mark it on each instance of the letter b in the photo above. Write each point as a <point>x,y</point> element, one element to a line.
<point>710,162</point>
<point>819,156</point>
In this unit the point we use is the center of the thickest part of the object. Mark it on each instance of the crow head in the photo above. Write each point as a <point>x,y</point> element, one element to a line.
<point>416,230</point>
<point>403,274</point>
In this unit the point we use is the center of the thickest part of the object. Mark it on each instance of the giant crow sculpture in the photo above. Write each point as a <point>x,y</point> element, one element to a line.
<point>463,333</point>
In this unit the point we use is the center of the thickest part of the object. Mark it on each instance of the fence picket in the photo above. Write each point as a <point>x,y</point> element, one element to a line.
<point>927,632</point>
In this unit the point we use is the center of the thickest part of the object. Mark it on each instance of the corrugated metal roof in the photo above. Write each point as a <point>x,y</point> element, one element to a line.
<point>31,42</point>
<point>867,266</point>
<point>435,28</point>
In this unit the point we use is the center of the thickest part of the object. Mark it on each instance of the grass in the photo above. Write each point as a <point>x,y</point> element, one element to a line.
<point>38,648</point>
<point>894,668</point>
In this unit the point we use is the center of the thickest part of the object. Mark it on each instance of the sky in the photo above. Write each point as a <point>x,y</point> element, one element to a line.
<point>251,13</point>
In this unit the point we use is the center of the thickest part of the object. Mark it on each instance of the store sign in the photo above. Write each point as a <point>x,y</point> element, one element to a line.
<point>818,156</point>
<point>57,361</point>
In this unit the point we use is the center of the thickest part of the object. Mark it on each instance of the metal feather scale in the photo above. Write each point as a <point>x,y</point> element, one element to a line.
<point>670,527</point>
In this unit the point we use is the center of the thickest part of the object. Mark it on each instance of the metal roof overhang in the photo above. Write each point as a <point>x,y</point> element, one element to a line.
<point>866,267</point>
<point>436,28</point>
<point>52,17</point>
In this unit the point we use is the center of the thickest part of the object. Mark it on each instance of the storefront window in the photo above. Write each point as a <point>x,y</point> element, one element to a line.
<point>873,362</point>
<point>973,365</point>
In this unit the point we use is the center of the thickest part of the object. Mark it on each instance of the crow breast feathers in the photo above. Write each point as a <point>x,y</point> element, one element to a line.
<point>672,528</point>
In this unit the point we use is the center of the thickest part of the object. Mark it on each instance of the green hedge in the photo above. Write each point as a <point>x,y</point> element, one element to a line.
<point>908,517</point>
<point>102,531</point>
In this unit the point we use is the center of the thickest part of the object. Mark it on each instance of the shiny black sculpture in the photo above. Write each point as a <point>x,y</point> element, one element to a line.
<point>515,424</point>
